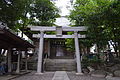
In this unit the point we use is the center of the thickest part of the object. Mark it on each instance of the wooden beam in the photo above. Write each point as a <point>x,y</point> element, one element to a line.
<point>43,28</point>
<point>54,36</point>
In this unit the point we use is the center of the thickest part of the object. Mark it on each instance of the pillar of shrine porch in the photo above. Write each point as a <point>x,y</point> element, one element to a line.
<point>18,62</point>
<point>9,60</point>
<point>79,71</point>
<point>40,53</point>
<point>26,61</point>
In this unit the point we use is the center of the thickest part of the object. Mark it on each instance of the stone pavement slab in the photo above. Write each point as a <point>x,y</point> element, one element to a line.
<point>12,76</point>
<point>113,78</point>
<point>73,76</point>
<point>60,75</point>
<point>7,77</point>
<point>34,76</point>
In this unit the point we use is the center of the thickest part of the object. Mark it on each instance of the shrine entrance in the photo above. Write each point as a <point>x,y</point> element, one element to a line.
<point>57,48</point>
<point>59,51</point>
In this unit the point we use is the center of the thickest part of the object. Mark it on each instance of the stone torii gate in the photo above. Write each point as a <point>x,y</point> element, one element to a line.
<point>58,30</point>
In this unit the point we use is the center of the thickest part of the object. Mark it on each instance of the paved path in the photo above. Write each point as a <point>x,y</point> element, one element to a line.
<point>6,77</point>
<point>34,76</point>
<point>60,75</point>
<point>73,76</point>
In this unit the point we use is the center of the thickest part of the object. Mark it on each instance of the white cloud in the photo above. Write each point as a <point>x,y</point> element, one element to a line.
<point>63,5</point>
<point>62,22</point>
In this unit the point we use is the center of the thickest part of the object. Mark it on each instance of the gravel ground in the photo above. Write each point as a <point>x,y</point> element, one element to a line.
<point>73,76</point>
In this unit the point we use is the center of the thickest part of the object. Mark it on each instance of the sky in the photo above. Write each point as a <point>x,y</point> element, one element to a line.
<point>64,6</point>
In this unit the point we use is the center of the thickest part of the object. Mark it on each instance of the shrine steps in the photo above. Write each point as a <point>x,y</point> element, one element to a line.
<point>60,65</point>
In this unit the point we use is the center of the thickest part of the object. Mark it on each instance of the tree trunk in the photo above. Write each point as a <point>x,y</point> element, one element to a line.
<point>118,48</point>
<point>98,48</point>
<point>84,50</point>
<point>88,50</point>
<point>81,49</point>
<point>111,57</point>
<point>115,47</point>
<point>0,51</point>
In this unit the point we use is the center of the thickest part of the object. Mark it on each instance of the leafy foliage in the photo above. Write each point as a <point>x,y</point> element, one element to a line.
<point>10,12</point>
<point>102,18</point>
<point>92,61</point>
<point>44,11</point>
<point>17,14</point>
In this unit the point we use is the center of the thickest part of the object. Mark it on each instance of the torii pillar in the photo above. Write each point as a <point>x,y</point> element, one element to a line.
<point>79,71</point>
<point>40,53</point>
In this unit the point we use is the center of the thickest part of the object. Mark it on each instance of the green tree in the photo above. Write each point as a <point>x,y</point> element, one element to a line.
<point>95,15</point>
<point>10,12</point>
<point>112,19</point>
<point>44,12</point>
<point>17,14</point>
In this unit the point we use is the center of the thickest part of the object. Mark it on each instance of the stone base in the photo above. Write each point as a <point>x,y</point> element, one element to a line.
<point>79,74</point>
<point>39,73</point>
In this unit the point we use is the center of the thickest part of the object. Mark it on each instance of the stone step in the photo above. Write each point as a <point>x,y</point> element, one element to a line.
<point>63,57</point>
<point>60,65</point>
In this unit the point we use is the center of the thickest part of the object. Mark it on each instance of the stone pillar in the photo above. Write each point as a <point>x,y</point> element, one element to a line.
<point>77,53</point>
<point>9,60</point>
<point>40,53</point>
<point>18,63</point>
<point>26,61</point>
<point>48,49</point>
